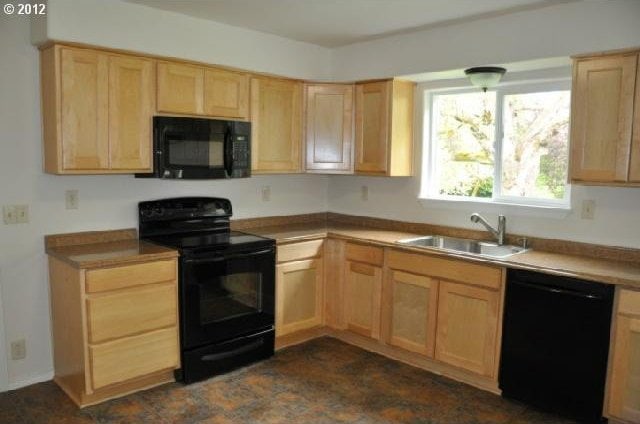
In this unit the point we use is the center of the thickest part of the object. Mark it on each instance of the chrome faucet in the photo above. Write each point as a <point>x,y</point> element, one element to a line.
<point>497,234</point>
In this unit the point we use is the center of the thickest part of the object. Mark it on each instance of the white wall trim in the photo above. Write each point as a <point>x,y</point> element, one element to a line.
<point>32,379</point>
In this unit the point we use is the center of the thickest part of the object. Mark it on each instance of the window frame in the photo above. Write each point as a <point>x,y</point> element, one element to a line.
<point>429,190</point>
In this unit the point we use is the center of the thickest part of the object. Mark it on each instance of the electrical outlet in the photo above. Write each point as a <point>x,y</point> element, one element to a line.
<point>9,214</point>
<point>364,193</point>
<point>19,349</point>
<point>22,213</point>
<point>266,193</point>
<point>588,209</point>
<point>71,198</point>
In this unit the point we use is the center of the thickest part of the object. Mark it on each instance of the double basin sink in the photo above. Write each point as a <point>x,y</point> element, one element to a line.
<point>460,245</point>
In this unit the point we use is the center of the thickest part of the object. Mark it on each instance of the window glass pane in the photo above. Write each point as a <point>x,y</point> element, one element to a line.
<point>464,128</point>
<point>535,145</point>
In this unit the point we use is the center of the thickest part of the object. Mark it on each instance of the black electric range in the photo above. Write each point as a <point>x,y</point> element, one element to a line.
<point>226,283</point>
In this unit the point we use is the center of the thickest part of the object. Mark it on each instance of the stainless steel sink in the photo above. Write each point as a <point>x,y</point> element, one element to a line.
<point>482,248</point>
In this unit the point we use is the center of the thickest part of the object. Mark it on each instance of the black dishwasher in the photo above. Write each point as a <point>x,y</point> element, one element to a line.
<point>555,343</point>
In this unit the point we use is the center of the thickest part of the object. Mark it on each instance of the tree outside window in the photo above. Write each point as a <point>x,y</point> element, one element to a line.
<point>501,145</point>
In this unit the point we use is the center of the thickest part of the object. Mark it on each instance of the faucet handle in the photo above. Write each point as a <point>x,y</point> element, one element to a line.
<point>524,242</point>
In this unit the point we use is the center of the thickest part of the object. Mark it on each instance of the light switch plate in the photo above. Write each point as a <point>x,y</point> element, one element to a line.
<point>71,199</point>
<point>266,193</point>
<point>22,213</point>
<point>588,209</point>
<point>19,349</point>
<point>9,214</point>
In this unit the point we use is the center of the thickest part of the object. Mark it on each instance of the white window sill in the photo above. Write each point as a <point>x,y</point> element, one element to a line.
<point>492,206</point>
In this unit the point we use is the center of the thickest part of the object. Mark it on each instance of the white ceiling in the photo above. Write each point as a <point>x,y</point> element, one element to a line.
<point>333,23</point>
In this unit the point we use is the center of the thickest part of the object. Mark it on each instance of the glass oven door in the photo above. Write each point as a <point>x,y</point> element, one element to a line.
<point>225,295</point>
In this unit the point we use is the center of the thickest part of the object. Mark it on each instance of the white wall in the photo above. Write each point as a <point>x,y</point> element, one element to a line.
<point>135,27</point>
<point>106,202</point>
<point>559,30</point>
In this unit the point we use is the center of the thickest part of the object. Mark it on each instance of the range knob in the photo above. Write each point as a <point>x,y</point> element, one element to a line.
<point>158,211</point>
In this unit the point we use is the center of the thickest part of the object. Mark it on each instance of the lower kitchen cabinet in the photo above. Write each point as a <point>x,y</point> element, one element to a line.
<point>412,302</point>
<point>363,289</point>
<point>298,296</point>
<point>115,329</point>
<point>444,309</point>
<point>299,287</point>
<point>467,327</point>
<point>624,377</point>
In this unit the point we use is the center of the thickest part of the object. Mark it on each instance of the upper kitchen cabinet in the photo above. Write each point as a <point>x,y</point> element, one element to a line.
<point>384,128</point>
<point>276,118</point>
<point>97,109</point>
<point>329,128</point>
<point>605,135</point>
<point>200,90</point>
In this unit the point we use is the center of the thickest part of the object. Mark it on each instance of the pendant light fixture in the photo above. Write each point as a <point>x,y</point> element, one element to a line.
<point>485,76</point>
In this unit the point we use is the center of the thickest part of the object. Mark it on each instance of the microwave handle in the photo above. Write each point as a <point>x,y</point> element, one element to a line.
<point>228,152</point>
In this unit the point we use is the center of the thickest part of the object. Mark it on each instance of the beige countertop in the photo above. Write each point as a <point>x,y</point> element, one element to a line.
<point>585,267</point>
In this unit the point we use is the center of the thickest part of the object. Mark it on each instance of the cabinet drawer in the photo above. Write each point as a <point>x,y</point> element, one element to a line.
<point>448,269</point>
<point>98,280</point>
<point>629,302</point>
<point>366,254</point>
<point>126,312</point>
<point>132,357</point>
<point>297,251</point>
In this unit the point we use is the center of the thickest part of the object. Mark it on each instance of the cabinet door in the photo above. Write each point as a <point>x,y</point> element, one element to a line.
<point>464,311</point>
<point>601,118</point>
<point>329,127</point>
<point>84,100</point>
<point>226,94</point>
<point>276,117</point>
<point>180,88</point>
<point>634,165</point>
<point>362,298</point>
<point>298,296</point>
<point>624,395</point>
<point>412,309</point>
<point>372,126</point>
<point>131,103</point>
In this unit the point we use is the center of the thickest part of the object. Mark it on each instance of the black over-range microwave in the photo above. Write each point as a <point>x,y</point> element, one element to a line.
<point>197,148</point>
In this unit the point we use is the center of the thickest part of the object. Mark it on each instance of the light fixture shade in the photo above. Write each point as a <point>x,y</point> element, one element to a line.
<point>485,76</point>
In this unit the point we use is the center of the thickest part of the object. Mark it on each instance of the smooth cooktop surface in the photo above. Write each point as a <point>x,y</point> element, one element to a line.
<point>211,240</point>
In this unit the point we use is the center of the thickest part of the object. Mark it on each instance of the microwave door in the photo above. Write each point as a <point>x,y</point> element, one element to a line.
<point>194,155</point>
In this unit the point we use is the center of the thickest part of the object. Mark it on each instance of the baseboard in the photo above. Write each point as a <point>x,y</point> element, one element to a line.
<point>38,378</point>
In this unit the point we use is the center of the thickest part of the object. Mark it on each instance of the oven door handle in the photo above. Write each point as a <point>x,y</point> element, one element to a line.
<point>221,258</point>
<point>239,350</point>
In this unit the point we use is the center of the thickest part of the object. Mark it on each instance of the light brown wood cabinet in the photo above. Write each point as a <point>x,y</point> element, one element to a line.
<point>412,302</point>
<point>299,287</point>
<point>329,128</point>
<point>97,110</point>
<point>115,329</point>
<point>623,397</point>
<point>384,128</point>
<point>467,327</point>
<point>433,305</point>
<point>201,90</point>
<point>605,133</point>
<point>363,289</point>
<point>276,118</point>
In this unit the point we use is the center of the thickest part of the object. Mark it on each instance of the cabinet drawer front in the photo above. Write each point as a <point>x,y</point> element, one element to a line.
<point>132,357</point>
<point>362,253</point>
<point>457,270</point>
<point>98,280</point>
<point>297,251</point>
<point>629,302</point>
<point>126,312</point>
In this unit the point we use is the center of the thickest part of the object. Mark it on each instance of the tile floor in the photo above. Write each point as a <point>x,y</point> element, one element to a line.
<point>321,381</point>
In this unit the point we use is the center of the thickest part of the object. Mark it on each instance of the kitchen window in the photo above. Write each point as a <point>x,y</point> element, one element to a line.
<point>508,145</point>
